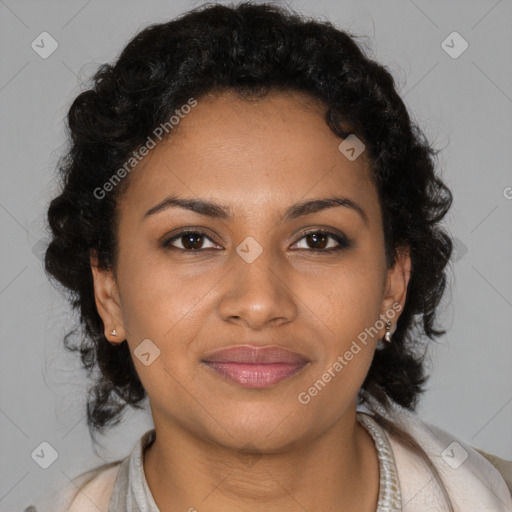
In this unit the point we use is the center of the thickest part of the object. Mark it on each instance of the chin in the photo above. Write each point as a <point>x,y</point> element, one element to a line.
<point>268,428</point>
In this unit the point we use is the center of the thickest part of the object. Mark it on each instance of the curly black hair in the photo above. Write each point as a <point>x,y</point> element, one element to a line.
<point>250,49</point>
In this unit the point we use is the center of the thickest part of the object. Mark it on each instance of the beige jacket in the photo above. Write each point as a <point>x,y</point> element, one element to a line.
<point>481,483</point>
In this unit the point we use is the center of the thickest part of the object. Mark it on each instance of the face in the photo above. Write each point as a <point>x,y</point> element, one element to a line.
<point>310,281</point>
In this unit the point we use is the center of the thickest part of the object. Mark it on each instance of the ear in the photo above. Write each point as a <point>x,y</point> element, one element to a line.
<point>107,300</point>
<point>395,292</point>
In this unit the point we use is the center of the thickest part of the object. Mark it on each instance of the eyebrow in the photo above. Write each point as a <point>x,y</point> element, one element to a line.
<point>218,211</point>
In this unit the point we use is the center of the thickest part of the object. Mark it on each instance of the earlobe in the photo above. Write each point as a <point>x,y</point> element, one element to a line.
<point>107,301</point>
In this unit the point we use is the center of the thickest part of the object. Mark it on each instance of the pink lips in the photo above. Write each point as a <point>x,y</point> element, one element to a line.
<point>255,367</point>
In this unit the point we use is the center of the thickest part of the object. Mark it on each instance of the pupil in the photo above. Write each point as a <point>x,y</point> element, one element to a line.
<point>189,241</point>
<point>315,237</point>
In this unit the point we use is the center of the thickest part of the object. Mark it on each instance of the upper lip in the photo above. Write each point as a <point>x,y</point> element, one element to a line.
<point>251,354</point>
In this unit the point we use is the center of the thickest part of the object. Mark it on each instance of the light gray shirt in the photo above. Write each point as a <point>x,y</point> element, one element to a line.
<point>131,491</point>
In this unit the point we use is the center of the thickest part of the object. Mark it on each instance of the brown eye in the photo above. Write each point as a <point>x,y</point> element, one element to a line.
<point>189,240</point>
<point>324,241</point>
<point>317,240</point>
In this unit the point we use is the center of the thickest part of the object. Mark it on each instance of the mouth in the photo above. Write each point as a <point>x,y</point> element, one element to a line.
<point>256,367</point>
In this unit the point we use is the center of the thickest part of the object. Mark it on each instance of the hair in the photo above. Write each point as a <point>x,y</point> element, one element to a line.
<point>249,49</point>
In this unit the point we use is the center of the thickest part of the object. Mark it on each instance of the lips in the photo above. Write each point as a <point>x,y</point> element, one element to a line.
<point>255,367</point>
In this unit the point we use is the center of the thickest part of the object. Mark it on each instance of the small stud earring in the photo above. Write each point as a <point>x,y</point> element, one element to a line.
<point>114,333</point>
<point>387,336</point>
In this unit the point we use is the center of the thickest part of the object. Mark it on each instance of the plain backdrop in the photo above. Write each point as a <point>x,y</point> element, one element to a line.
<point>462,102</point>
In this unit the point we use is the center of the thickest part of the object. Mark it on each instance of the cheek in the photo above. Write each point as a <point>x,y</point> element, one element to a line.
<point>169,310</point>
<point>351,300</point>
<point>158,296</point>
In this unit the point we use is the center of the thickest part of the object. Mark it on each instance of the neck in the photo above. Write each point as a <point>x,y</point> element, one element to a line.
<point>185,472</point>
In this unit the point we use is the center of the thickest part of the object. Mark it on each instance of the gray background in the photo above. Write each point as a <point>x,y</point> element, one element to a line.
<point>463,104</point>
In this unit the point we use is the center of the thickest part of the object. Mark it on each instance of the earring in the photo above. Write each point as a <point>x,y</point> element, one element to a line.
<point>387,336</point>
<point>114,333</point>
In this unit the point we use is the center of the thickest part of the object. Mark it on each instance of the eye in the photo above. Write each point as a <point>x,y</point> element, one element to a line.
<point>324,240</point>
<point>190,241</point>
<point>318,240</point>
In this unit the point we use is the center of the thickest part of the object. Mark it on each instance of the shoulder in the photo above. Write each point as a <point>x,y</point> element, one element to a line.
<point>93,491</point>
<point>90,491</point>
<point>502,465</point>
<point>474,482</point>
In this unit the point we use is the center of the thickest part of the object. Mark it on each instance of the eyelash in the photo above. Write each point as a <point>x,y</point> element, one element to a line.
<point>343,241</point>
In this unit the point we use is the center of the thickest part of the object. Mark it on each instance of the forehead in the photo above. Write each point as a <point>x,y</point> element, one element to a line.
<point>265,152</point>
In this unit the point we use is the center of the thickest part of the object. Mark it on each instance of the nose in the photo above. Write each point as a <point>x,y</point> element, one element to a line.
<point>258,294</point>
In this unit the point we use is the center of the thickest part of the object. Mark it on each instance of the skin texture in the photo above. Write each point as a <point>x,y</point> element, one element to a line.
<point>257,158</point>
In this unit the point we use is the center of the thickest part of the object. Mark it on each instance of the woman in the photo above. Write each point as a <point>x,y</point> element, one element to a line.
<point>250,225</point>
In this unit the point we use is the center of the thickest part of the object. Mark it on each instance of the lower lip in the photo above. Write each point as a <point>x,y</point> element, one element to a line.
<point>255,376</point>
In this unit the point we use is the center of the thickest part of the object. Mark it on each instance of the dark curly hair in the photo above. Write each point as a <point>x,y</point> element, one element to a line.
<point>250,49</point>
